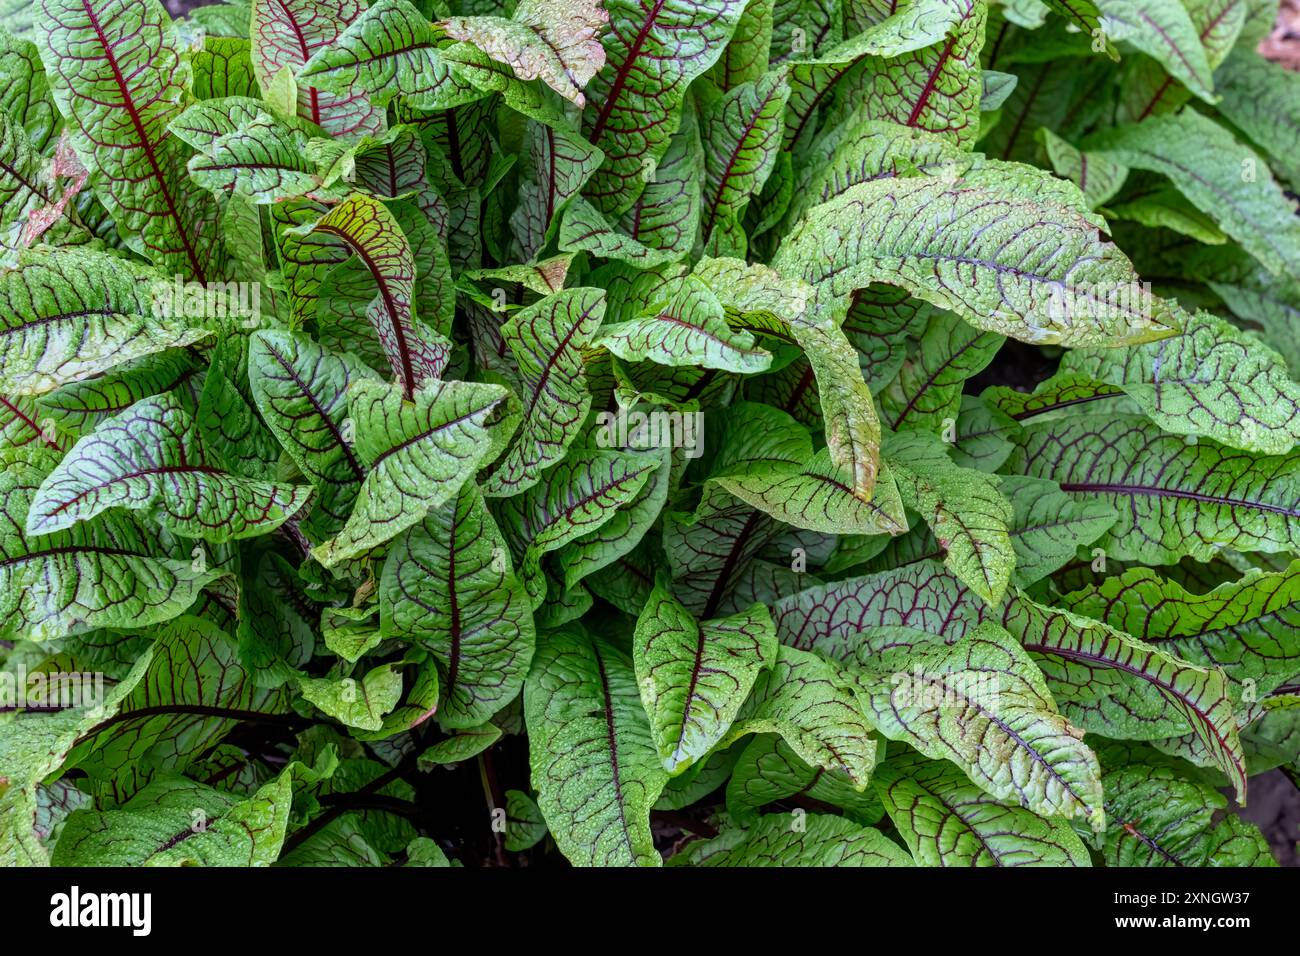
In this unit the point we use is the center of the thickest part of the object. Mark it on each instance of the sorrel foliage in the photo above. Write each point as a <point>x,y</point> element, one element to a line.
<point>395,388</point>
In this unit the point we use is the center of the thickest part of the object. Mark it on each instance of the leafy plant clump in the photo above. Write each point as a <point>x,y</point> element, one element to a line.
<point>513,433</point>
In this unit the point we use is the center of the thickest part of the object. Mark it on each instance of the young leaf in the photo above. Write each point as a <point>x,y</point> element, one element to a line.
<point>547,340</point>
<point>695,676</point>
<point>301,391</point>
<point>652,54</point>
<point>448,585</point>
<point>555,42</point>
<point>285,35</point>
<point>371,231</point>
<point>417,454</point>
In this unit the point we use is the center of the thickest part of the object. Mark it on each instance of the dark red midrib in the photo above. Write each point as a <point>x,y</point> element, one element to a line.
<point>306,55</point>
<point>26,420</point>
<point>197,710</point>
<point>392,170</point>
<point>55,317</point>
<point>624,71</point>
<point>729,565</point>
<point>329,422</point>
<point>31,188</point>
<point>1169,80</point>
<point>453,144</point>
<point>1079,654</point>
<point>69,549</point>
<point>128,103</point>
<point>729,169</point>
<point>1141,837</point>
<point>431,431</point>
<point>550,179</point>
<point>453,602</point>
<point>931,81</point>
<point>554,359</point>
<point>797,393</point>
<point>159,470</point>
<point>1117,488</point>
<point>1024,113</point>
<point>1044,409</point>
<point>696,664</point>
<point>926,385</point>
<point>407,369</point>
<point>612,740</point>
<point>812,106</point>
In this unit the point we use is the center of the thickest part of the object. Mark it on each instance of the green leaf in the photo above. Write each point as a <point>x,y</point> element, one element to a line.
<point>1162,29</point>
<point>525,827</point>
<point>1161,819</point>
<point>462,745</point>
<point>1212,381</point>
<point>585,229</point>
<point>285,35</point>
<point>967,513</point>
<point>181,823</point>
<point>149,458</point>
<point>107,573</point>
<point>556,42</point>
<point>694,676</point>
<point>416,453</point>
<point>652,55</point>
<point>70,315</point>
<point>547,340</point>
<point>1098,176</point>
<point>1221,177</point>
<point>1242,626</point>
<point>448,586</point>
<point>927,389</point>
<point>1174,499</point>
<point>947,821</point>
<point>573,499</point>
<point>1023,268</point>
<point>301,391</point>
<point>983,704</point>
<point>387,51</point>
<point>819,497</point>
<point>192,693</point>
<point>742,135</point>
<point>117,74</point>
<point>264,161</point>
<point>937,88</point>
<point>687,327</point>
<point>803,840</point>
<point>1049,526</point>
<point>367,227</point>
<point>806,700</point>
<point>1260,98</point>
<point>594,764</point>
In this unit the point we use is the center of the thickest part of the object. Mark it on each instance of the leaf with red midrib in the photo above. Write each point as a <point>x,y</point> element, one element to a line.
<point>371,231</point>
<point>285,33</point>
<point>115,70</point>
<point>653,51</point>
